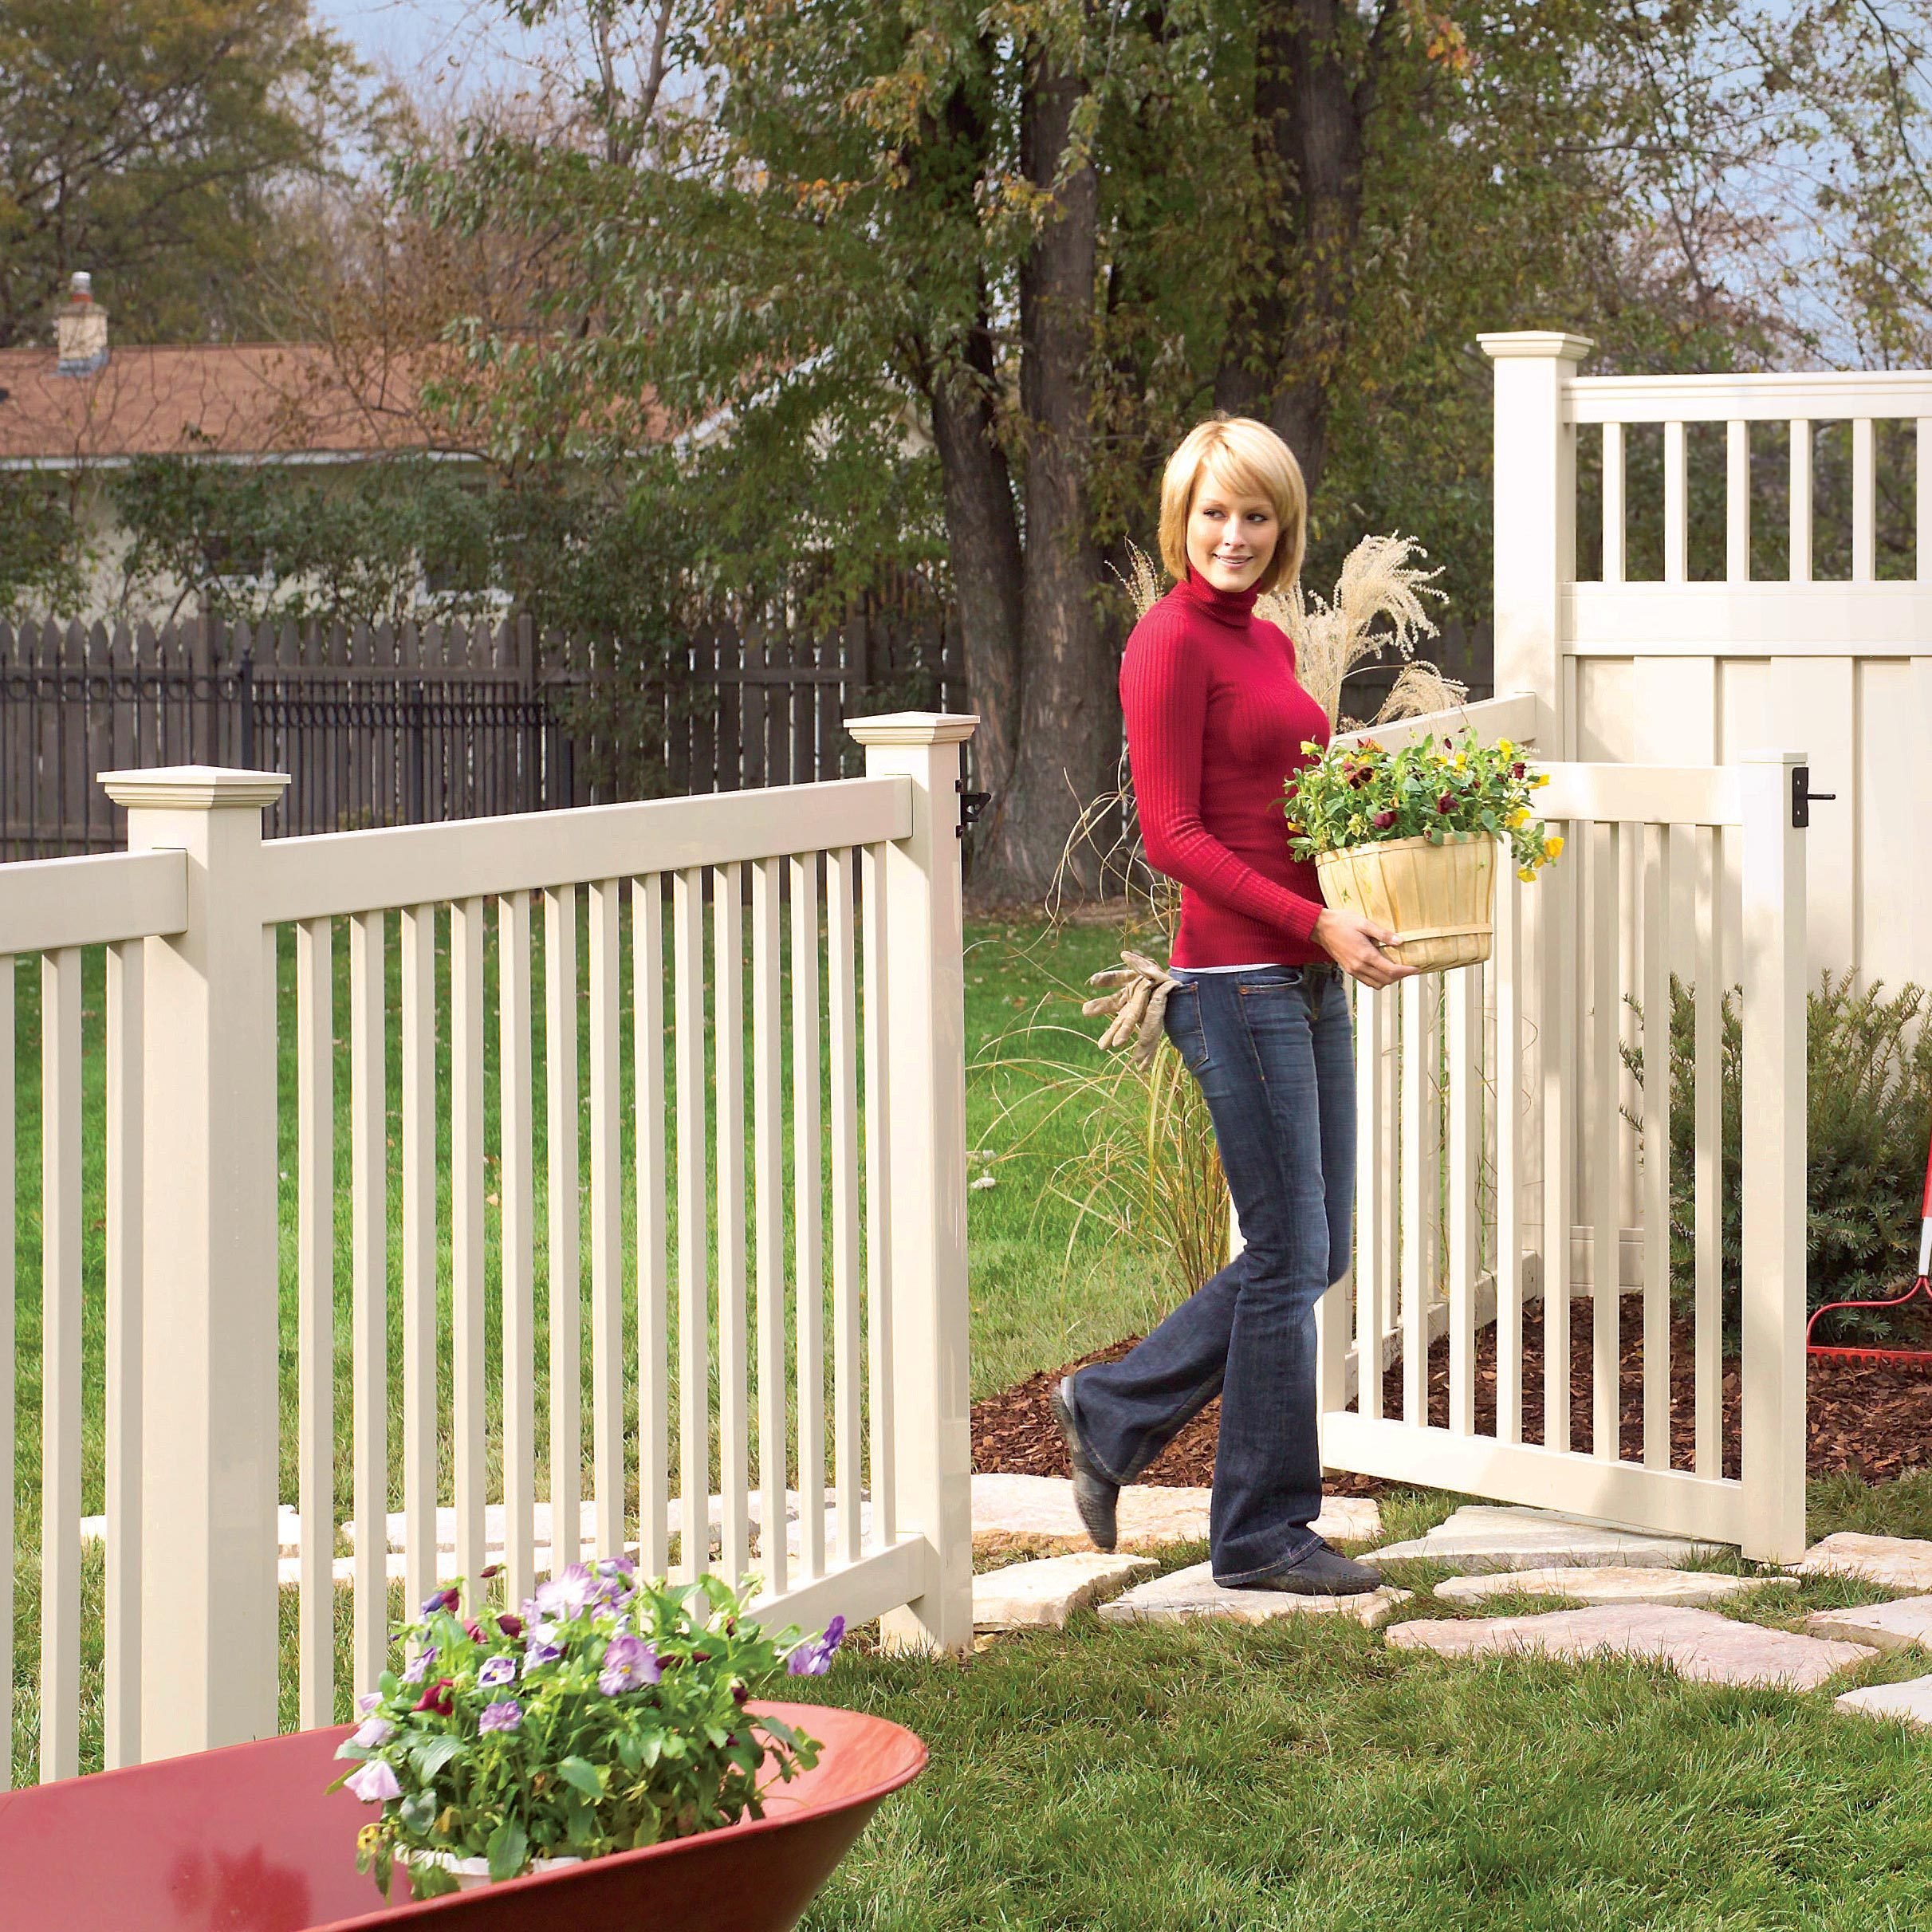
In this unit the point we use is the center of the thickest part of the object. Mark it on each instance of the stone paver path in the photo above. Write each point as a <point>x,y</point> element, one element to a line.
<point>1042,1594</point>
<point>1705,1647</point>
<point>1481,1537</point>
<point>1891,1627</point>
<point>1910,1702</point>
<point>1148,1513</point>
<point>1893,1563</point>
<point>1602,1584</point>
<point>1187,1594</point>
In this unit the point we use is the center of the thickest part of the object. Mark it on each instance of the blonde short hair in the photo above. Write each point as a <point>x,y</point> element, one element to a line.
<point>1248,459</point>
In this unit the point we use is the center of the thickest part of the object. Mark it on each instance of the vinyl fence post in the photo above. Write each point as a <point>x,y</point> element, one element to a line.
<point>209,1338</point>
<point>925,1124</point>
<point>1772,1268</point>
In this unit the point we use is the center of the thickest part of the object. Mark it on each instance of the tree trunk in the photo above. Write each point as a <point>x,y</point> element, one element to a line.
<point>1069,740</point>
<point>983,535</point>
<point>1287,330</point>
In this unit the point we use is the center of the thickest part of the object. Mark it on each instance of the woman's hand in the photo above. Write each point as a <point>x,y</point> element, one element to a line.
<point>1355,944</point>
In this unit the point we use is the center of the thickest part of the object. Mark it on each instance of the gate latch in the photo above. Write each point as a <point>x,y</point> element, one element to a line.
<point>972,805</point>
<point>1802,795</point>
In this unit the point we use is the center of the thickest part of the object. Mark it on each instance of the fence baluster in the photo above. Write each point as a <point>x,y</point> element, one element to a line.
<point>315,1244</point>
<point>808,1180</point>
<point>846,1338</point>
<point>1462,995</point>
<point>60,1645</point>
<point>516,1167</point>
<point>470,1415</point>
<point>421,1410</point>
<point>1656,1090</point>
<point>566,1293</point>
<point>1371,1256</point>
<point>1707,1181</point>
<point>653,1312</point>
<point>768,1179</point>
<point>1558,1003</point>
<point>694,1287</point>
<point>606,1218</point>
<point>369,1262</point>
<point>734,1423</point>
<point>878,1199</point>
<point>1603,858</point>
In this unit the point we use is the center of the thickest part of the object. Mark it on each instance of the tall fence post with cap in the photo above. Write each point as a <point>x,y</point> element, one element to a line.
<point>920,882</point>
<point>209,1421</point>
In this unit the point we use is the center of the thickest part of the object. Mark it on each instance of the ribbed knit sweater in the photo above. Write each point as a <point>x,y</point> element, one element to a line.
<point>1216,719</point>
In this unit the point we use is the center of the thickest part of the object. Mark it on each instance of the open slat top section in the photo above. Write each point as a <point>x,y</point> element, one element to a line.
<point>361,872</point>
<point>1824,396</point>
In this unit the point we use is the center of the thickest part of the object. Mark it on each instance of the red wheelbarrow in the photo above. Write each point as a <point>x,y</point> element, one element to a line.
<point>248,1840</point>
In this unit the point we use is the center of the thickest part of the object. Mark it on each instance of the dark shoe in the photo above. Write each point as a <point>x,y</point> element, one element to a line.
<point>1321,1572</point>
<point>1094,1492</point>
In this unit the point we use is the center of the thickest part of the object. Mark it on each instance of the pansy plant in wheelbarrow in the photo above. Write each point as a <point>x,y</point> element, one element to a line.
<point>606,1714</point>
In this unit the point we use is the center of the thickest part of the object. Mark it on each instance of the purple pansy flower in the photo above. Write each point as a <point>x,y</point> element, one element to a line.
<point>440,1599</point>
<point>375,1782</point>
<point>813,1657</point>
<point>565,1595</point>
<point>506,1714</point>
<point>616,1566</point>
<point>415,1672</point>
<point>367,1702</point>
<point>496,1671</point>
<point>628,1662</point>
<point>372,1732</point>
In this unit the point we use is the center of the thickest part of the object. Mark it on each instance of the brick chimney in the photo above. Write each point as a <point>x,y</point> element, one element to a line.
<point>80,330</point>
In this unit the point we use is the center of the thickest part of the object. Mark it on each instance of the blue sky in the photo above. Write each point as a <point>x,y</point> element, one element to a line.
<point>457,44</point>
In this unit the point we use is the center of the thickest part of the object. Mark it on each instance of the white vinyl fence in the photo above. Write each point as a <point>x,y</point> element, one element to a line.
<point>739,1125</point>
<point>1499,1102</point>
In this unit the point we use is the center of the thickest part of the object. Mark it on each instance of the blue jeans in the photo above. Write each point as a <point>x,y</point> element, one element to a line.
<point>1274,1055</point>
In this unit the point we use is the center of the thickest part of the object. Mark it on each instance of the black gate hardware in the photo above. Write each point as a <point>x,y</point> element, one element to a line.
<point>972,806</point>
<point>1802,795</point>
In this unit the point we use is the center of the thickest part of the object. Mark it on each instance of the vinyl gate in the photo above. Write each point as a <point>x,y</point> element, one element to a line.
<point>1507,1115</point>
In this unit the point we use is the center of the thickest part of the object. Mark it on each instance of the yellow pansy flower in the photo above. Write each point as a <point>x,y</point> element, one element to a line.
<point>1526,873</point>
<point>1507,749</point>
<point>1553,849</point>
<point>1519,817</point>
<point>1541,778</point>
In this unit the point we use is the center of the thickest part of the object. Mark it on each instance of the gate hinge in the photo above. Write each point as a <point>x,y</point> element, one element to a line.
<point>1802,795</point>
<point>972,806</point>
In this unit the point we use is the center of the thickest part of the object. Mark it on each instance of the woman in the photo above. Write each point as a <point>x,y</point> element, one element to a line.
<point>1215,723</point>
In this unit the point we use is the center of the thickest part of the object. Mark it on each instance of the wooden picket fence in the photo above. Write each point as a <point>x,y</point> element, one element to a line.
<point>412,724</point>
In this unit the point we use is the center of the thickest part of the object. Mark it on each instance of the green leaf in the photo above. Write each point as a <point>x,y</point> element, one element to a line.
<point>508,1848</point>
<point>432,1881</point>
<point>584,1775</point>
<point>432,1756</point>
<point>419,1813</point>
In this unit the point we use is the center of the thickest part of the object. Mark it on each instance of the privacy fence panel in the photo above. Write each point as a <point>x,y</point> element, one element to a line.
<point>409,724</point>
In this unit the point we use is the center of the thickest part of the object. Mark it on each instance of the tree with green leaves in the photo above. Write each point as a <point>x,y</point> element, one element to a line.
<point>150,142</point>
<point>995,259</point>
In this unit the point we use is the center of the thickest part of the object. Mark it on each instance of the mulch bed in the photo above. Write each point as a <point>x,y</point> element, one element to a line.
<point>1869,1419</point>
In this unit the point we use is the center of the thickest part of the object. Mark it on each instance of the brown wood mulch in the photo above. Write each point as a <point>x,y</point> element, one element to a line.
<point>1869,1419</point>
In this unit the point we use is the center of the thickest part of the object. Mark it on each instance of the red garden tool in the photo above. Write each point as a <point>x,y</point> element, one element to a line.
<point>1842,1353</point>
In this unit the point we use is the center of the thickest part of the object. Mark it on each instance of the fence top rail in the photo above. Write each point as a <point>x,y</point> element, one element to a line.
<point>1491,718</point>
<point>1643,794</point>
<point>334,873</point>
<point>1822,395</point>
<point>47,904</point>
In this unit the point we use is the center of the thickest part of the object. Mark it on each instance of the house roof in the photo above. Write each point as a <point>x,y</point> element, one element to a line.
<point>250,399</point>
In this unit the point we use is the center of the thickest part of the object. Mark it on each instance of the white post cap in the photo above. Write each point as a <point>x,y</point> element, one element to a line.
<point>914,728</point>
<point>193,788</point>
<point>1547,343</point>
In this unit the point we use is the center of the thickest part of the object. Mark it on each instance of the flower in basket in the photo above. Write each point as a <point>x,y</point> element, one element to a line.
<point>1349,795</point>
<point>610,1714</point>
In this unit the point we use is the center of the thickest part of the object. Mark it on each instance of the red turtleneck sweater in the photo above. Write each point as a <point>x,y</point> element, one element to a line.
<point>1215,723</point>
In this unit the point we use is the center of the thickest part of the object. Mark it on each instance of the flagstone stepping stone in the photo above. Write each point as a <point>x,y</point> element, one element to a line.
<point>1604,1584</point>
<point>1704,1647</point>
<point>1148,1512</point>
<point>1893,1563</point>
<point>1481,1537</point>
<point>1187,1595</point>
<point>1043,1594</point>
<point>1908,1703</point>
<point>1892,1627</point>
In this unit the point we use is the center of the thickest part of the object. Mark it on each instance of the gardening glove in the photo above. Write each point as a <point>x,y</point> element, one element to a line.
<point>1135,1008</point>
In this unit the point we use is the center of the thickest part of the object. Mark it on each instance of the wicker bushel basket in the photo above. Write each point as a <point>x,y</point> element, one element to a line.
<point>1439,899</point>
